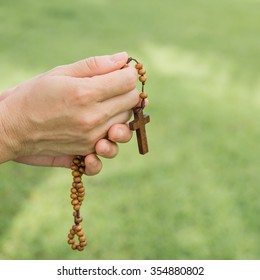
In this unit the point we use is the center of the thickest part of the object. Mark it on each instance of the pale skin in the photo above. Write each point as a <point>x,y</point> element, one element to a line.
<point>76,109</point>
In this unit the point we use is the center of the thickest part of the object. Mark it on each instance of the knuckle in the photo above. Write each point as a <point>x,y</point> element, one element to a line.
<point>93,121</point>
<point>91,63</point>
<point>78,95</point>
<point>82,95</point>
<point>87,123</point>
<point>90,121</point>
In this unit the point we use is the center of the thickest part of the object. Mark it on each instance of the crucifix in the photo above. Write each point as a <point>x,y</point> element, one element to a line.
<point>138,124</point>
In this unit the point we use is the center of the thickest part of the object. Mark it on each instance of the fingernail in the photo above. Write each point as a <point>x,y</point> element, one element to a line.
<point>93,163</point>
<point>118,57</point>
<point>106,149</point>
<point>120,133</point>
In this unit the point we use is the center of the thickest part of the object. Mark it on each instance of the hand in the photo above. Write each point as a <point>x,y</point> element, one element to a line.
<point>68,110</point>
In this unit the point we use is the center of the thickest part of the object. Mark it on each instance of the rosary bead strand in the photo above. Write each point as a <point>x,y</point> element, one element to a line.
<point>77,197</point>
<point>142,78</point>
<point>77,191</point>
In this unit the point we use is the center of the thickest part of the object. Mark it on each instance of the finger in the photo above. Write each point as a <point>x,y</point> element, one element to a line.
<point>112,84</point>
<point>106,148</point>
<point>60,161</point>
<point>146,102</point>
<point>120,133</point>
<point>92,162</point>
<point>93,165</point>
<point>92,66</point>
<point>101,131</point>
<point>120,104</point>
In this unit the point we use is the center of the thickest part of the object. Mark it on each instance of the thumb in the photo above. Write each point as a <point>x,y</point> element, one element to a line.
<point>92,66</point>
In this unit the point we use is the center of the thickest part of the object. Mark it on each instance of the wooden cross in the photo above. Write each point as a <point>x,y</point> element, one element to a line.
<point>138,124</point>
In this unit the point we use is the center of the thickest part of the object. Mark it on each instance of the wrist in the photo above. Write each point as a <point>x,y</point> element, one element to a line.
<point>8,143</point>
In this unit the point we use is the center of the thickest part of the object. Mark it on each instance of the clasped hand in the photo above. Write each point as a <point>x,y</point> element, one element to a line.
<point>76,109</point>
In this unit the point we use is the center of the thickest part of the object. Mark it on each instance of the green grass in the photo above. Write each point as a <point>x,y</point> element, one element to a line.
<point>196,194</point>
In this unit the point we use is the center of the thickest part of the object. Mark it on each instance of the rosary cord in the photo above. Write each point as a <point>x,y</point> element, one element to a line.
<point>78,168</point>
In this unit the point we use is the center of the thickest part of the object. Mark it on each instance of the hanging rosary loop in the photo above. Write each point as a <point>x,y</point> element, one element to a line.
<point>77,197</point>
<point>77,191</point>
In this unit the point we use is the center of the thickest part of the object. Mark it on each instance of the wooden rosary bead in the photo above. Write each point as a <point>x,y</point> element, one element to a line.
<point>82,238</point>
<point>141,71</point>
<point>78,228</point>
<point>73,190</point>
<point>70,236</point>
<point>82,170</point>
<point>74,202</point>
<point>80,199</point>
<point>78,220</point>
<point>76,207</point>
<point>81,194</point>
<point>80,233</point>
<point>79,185</point>
<point>143,95</point>
<point>142,79</point>
<point>81,190</point>
<point>74,167</point>
<point>77,179</point>
<point>76,161</point>
<point>139,66</point>
<point>83,244</point>
<point>73,196</point>
<point>76,173</point>
<point>79,157</point>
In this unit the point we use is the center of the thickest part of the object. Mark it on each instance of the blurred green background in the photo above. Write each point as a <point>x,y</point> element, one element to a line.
<point>196,194</point>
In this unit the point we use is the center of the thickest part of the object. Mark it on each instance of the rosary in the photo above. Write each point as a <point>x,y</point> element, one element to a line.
<point>78,164</point>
